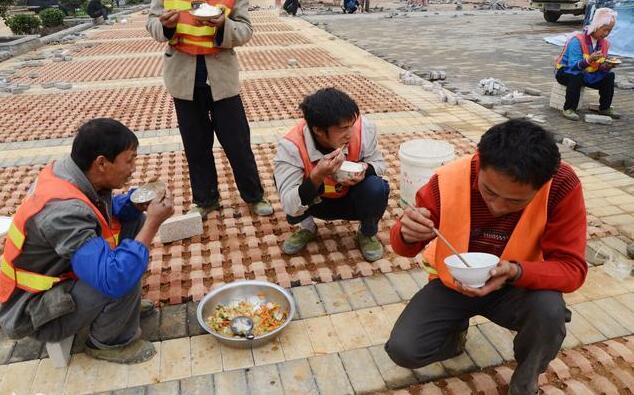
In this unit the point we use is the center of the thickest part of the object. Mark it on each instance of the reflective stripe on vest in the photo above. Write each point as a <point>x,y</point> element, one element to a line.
<point>332,189</point>
<point>583,39</point>
<point>190,37</point>
<point>47,187</point>
<point>454,184</point>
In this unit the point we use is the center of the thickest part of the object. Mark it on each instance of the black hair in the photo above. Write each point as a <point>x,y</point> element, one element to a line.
<point>522,150</point>
<point>328,107</point>
<point>101,136</point>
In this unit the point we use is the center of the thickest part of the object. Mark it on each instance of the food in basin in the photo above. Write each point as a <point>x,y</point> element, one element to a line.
<point>266,316</point>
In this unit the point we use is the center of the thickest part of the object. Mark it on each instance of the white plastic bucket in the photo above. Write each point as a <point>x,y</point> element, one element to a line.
<point>419,160</point>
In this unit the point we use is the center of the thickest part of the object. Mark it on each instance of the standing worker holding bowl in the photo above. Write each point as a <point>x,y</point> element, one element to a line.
<point>201,73</point>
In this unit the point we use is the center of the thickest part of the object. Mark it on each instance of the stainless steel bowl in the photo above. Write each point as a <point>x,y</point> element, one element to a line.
<point>241,290</point>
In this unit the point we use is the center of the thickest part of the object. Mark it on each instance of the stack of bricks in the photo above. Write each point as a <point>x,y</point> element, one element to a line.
<point>558,96</point>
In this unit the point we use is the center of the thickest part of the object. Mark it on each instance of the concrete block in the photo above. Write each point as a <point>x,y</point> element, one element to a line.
<point>599,119</point>
<point>63,85</point>
<point>532,91</point>
<point>308,302</point>
<point>60,352</point>
<point>362,371</point>
<point>330,375</point>
<point>293,62</point>
<point>181,227</point>
<point>49,85</point>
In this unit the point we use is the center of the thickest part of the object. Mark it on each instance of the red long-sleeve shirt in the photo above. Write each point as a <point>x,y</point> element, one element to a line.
<point>563,243</point>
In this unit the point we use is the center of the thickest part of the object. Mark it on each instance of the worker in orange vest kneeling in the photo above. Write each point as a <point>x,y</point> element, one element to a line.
<point>75,254</point>
<point>514,199</point>
<point>309,176</point>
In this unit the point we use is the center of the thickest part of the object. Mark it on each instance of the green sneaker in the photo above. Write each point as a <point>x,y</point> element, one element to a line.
<point>204,211</point>
<point>262,208</point>
<point>136,352</point>
<point>147,308</point>
<point>297,241</point>
<point>570,114</point>
<point>610,113</point>
<point>370,246</point>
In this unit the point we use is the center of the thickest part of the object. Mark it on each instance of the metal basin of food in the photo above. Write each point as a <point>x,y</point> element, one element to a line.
<point>241,290</point>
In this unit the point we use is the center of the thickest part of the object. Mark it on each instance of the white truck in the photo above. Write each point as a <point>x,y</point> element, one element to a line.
<point>553,9</point>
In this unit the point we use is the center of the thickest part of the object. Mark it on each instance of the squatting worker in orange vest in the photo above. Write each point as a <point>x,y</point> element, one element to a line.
<point>582,62</point>
<point>200,71</point>
<point>75,254</point>
<point>515,199</point>
<point>306,163</point>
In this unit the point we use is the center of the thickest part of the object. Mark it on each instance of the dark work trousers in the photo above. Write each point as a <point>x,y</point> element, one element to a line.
<point>365,202</point>
<point>428,329</point>
<point>112,322</point>
<point>574,83</point>
<point>197,121</point>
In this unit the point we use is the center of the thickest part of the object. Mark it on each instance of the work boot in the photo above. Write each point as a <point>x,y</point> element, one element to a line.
<point>262,208</point>
<point>147,308</point>
<point>136,352</point>
<point>204,210</point>
<point>570,114</point>
<point>610,113</point>
<point>371,247</point>
<point>297,241</point>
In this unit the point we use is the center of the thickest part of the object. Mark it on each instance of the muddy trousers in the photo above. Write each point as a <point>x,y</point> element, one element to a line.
<point>428,329</point>
<point>111,322</point>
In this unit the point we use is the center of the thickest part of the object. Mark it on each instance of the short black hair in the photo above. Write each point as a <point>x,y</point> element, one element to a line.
<point>101,136</point>
<point>328,107</point>
<point>522,150</point>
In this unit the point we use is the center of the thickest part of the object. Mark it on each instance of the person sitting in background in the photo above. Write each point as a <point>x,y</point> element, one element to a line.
<point>96,9</point>
<point>582,62</point>
<point>514,199</point>
<point>75,254</point>
<point>308,158</point>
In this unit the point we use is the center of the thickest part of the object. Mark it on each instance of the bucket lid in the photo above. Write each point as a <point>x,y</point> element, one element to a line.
<point>5,223</point>
<point>427,149</point>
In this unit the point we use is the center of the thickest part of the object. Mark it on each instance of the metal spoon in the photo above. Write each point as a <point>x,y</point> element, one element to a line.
<point>242,326</point>
<point>444,240</point>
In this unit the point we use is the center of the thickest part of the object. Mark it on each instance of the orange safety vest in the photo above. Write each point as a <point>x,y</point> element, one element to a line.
<point>48,187</point>
<point>191,37</point>
<point>585,42</point>
<point>454,184</point>
<point>332,189</point>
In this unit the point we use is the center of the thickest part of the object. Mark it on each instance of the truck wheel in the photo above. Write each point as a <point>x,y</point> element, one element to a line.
<point>551,16</point>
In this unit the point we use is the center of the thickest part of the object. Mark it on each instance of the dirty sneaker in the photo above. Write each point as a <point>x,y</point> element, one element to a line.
<point>147,308</point>
<point>204,210</point>
<point>370,246</point>
<point>297,241</point>
<point>570,114</point>
<point>610,113</point>
<point>262,208</point>
<point>136,352</point>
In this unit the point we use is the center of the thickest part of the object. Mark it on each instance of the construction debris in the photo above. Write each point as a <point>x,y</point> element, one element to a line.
<point>492,87</point>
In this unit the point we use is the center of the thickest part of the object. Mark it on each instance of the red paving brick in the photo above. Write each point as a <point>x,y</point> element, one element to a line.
<point>121,47</point>
<point>225,251</point>
<point>96,70</point>
<point>34,117</point>
<point>619,379</point>
<point>151,66</point>
<point>31,117</point>
<point>271,59</point>
<point>282,39</point>
<point>111,34</point>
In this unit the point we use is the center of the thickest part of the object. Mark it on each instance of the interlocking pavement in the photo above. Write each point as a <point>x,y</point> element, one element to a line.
<point>471,46</point>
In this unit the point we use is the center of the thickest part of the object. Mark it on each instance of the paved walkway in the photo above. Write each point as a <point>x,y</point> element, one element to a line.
<point>473,45</point>
<point>346,306</point>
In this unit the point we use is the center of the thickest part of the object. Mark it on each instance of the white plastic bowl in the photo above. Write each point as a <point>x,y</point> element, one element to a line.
<point>475,276</point>
<point>348,170</point>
